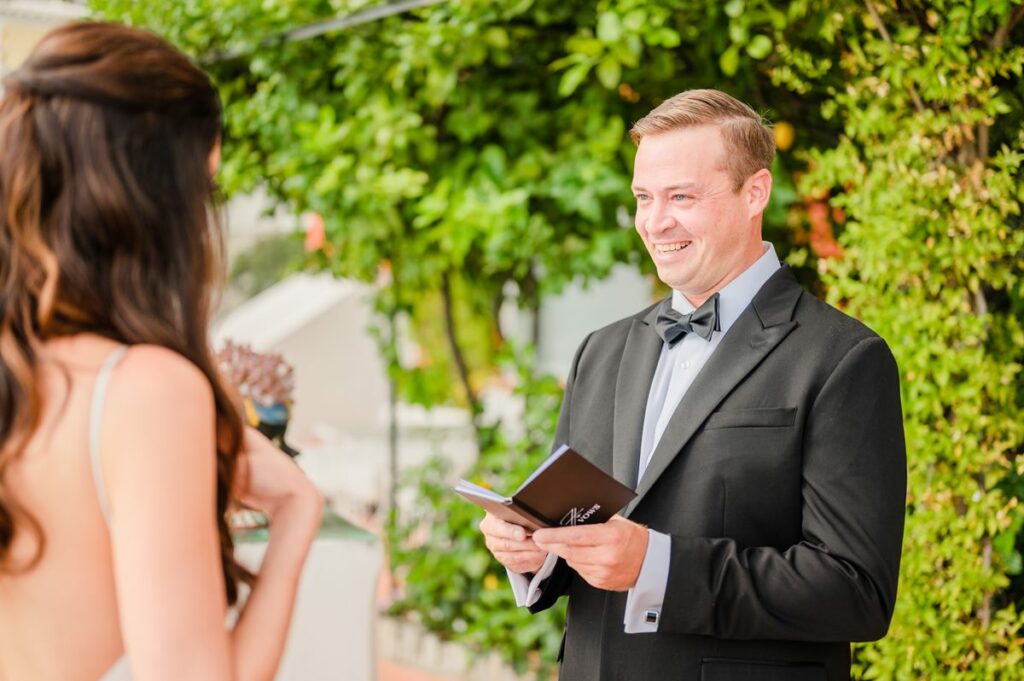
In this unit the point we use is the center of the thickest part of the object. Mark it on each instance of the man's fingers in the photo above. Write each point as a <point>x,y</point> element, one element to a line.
<point>577,555</point>
<point>511,545</point>
<point>587,535</point>
<point>505,545</point>
<point>521,561</point>
<point>496,527</point>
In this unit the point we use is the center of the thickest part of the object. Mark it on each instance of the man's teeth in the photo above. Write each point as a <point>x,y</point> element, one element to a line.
<point>668,248</point>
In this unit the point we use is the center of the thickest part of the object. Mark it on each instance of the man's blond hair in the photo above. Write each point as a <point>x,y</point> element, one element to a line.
<point>749,141</point>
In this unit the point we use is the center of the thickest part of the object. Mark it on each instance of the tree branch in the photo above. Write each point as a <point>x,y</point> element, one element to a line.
<point>918,104</point>
<point>529,294</point>
<point>453,342</point>
<point>998,43</point>
<point>363,16</point>
<point>496,305</point>
<point>985,612</point>
<point>1003,34</point>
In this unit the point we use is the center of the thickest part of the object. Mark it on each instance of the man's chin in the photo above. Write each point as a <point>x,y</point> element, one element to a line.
<point>674,280</point>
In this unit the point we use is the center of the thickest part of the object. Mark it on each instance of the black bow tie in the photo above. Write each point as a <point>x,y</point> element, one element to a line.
<point>672,326</point>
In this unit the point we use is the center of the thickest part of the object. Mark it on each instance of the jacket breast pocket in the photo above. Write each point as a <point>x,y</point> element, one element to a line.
<point>721,669</point>
<point>772,417</point>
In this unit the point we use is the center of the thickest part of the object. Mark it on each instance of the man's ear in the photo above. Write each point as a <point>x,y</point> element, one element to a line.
<point>757,190</point>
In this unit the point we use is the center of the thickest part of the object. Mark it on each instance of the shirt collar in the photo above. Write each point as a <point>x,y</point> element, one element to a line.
<point>734,297</point>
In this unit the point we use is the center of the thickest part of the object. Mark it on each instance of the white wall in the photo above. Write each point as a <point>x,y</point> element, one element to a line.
<point>566,320</point>
<point>319,324</point>
<point>253,217</point>
<point>24,22</point>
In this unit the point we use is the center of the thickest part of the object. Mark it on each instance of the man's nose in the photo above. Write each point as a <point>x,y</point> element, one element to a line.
<point>660,218</point>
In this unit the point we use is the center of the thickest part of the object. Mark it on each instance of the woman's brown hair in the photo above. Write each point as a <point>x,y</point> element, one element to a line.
<point>105,227</point>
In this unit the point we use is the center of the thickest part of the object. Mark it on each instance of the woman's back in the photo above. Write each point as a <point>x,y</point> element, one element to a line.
<point>105,189</point>
<point>110,138</point>
<point>67,602</point>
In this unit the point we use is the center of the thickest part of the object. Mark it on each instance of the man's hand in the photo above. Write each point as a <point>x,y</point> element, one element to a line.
<point>608,555</point>
<point>511,545</point>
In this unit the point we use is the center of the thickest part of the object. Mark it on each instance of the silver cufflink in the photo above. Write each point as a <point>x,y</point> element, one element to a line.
<point>651,616</point>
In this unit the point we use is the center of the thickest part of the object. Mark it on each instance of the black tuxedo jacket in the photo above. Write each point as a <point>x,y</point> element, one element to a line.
<point>781,479</point>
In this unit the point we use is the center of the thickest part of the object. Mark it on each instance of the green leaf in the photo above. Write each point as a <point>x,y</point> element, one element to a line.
<point>572,78</point>
<point>663,37</point>
<point>635,20</point>
<point>609,72</point>
<point>734,8</point>
<point>760,47</point>
<point>609,27</point>
<point>739,32</point>
<point>730,60</point>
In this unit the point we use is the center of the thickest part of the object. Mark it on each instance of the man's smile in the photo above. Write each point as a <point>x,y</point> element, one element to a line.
<point>671,247</point>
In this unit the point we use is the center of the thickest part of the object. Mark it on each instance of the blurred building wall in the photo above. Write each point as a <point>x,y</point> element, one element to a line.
<point>566,319</point>
<point>24,22</point>
<point>320,326</point>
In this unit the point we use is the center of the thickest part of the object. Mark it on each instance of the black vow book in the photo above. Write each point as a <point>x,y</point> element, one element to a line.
<point>564,490</point>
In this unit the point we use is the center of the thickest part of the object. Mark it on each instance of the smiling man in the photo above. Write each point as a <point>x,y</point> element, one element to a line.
<point>761,428</point>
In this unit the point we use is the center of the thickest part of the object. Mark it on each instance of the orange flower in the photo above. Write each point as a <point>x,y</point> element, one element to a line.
<point>315,232</point>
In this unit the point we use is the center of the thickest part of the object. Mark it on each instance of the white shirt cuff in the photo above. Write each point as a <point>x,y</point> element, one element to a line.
<point>645,599</point>
<point>527,592</point>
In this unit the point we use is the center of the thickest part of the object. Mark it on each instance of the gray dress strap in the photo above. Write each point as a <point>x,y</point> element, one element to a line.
<point>99,396</point>
<point>121,671</point>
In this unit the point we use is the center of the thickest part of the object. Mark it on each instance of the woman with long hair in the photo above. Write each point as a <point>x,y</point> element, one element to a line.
<point>120,448</point>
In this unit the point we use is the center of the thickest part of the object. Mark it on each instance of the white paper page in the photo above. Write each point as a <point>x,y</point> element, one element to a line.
<point>466,487</point>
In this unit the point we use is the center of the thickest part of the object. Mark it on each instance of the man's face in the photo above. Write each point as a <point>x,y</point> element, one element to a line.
<point>700,232</point>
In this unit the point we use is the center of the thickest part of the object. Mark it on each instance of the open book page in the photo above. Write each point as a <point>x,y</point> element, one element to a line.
<point>466,488</point>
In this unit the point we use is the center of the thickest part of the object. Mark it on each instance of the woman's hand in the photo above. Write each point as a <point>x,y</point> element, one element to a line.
<point>269,481</point>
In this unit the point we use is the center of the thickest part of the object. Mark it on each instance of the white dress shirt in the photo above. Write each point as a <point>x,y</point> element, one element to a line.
<point>677,368</point>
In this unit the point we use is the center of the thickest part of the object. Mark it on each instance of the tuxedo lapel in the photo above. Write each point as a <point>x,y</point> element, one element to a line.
<point>761,327</point>
<point>632,386</point>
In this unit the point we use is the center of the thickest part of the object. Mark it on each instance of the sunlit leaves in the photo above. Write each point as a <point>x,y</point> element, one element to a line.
<point>932,263</point>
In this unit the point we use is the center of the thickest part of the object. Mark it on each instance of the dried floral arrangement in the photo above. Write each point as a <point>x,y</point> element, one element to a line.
<point>266,384</point>
<point>265,378</point>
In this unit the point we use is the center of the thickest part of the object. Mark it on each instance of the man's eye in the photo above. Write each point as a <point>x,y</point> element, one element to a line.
<point>680,197</point>
<point>642,197</point>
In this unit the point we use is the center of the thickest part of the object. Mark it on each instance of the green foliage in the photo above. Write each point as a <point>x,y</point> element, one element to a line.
<point>453,585</point>
<point>481,143</point>
<point>929,175</point>
<point>444,142</point>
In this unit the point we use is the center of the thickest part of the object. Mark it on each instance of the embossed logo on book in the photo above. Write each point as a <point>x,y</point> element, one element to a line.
<point>578,516</point>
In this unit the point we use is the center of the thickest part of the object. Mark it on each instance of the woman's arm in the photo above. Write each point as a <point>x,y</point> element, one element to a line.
<point>270,481</point>
<point>158,449</point>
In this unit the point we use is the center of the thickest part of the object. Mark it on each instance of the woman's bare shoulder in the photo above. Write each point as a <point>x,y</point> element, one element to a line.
<point>161,404</point>
<point>156,390</point>
<point>157,370</point>
<point>156,364</point>
<point>143,365</point>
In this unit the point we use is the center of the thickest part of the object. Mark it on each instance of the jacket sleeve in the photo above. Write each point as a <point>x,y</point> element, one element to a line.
<point>561,577</point>
<point>839,582</point>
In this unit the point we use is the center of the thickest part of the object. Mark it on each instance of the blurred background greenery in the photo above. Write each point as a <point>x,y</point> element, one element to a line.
<point>470,153</point>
